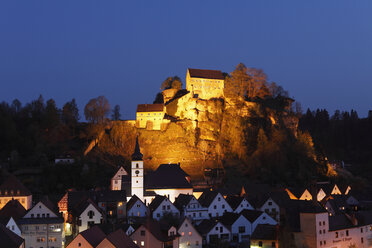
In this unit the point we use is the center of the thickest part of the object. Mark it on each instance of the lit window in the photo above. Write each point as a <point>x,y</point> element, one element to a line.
<point>183,234</point>
<point>189,233</point>
<point>142,243</point>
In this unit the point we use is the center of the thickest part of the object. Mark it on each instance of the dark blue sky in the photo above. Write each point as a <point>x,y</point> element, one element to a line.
<point>320,51</point>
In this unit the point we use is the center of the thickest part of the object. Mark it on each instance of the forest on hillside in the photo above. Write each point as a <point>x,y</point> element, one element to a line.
<point>260,146</point>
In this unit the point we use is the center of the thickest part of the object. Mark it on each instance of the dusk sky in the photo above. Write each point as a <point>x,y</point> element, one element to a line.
<point>320,51</point>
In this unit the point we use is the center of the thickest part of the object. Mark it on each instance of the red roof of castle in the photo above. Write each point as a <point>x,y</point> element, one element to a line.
<point>210,74</point>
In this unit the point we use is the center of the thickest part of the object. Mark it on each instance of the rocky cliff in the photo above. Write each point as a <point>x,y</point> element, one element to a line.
<point>202,133</point>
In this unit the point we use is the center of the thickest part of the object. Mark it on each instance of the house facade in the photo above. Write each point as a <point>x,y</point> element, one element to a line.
<point>150,116</point>
<point>189,236</point>
<point>205,84</point>
<point>42,227</point>
<point>117,179</point>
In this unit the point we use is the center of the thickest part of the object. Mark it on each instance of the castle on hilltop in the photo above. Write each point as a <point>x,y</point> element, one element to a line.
<point>200,84</point>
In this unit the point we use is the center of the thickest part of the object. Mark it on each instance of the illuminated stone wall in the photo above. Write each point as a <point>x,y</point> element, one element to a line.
<point>205,88</point>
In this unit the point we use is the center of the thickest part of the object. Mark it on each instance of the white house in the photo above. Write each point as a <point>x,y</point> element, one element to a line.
<point>191,208</point>
<point>215,202</point>
<point>161,206</point>
<point>238,203</point>
<point>270,207</point>
<point>213,232</point>
<point>257,217</point>
<point>117,179</point>
<point>136,208</point>
<point>189,236</point>
<point>87,214</point>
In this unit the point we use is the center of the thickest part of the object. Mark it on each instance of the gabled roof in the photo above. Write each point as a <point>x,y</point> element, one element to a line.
<point>156,107</point>
<point>120,239</point>
<point>93,235</point>
<point>155,228</point>
<point>210,74</point>
<point>298,192</point>
<point>13,209</point>
<point>207,198</point>
<point>9,239</point>
<point>168,176</point>
<point>50,205</point>
<point>206,225</point>
<point>265,232</point>
<point>251,215</point>
<point>234,201</point>
<point>133,201</point>
<point>182,200</point>
<point>156,202</point>
<point>228,219</point>
<point>13,187</point>
<point>81,206</point>
<point>75,197</point>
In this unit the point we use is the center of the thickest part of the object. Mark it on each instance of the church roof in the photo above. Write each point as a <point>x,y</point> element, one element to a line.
<point>13,187</point>
<point>168,176</point>
<point>137,155</point>
<point>210,74</point>
<point>156,107</point>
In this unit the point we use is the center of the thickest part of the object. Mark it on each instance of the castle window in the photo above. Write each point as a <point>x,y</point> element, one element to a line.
<point>137,165</point>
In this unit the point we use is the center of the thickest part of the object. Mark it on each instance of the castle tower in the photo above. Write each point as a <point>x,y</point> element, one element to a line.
<point>137,172</point>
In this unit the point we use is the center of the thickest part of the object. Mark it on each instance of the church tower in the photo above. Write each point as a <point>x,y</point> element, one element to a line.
<point>137,173</point>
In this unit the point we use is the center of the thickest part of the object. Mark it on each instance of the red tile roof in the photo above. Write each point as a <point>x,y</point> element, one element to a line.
<point>12,187</point>
<point>157,107</point>
<point>210,74</point>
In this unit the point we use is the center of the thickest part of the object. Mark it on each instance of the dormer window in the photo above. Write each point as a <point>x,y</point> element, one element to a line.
<point>12,192</point>
<point>6,192</point>
<point>18,192</point>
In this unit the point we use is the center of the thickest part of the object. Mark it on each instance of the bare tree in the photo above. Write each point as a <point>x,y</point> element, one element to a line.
<point>97,110</point>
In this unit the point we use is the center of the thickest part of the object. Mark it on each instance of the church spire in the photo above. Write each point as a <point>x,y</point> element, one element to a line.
<point>137,155</point>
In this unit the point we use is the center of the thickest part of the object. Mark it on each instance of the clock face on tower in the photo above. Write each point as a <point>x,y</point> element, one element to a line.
<point>137,172</point>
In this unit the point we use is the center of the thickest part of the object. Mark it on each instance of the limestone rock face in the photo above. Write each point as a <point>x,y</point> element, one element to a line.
<point>199,135</point>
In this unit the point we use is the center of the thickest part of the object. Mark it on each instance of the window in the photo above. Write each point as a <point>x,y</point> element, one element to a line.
<point>242,229</point>
<point>260,244</point>
<point>168,207</point>
<point>320,231</point>
<point>216,228</point>
<point>336,235</point>
<point>32,215</point>
<point>79,244</point>
<point>347,232</point>
<point>142,243</point>
<point>197,242</point>
<point>361,240</point>
<point>320,223</point>
<point>47,215</point>
<point>38,215</point>
<point>90,214</point>
<point>143,232</point>
<point>163,207</point>
<point>323,231</point>
<point>221,229</point>
<point>223,206</point>
<point>323,223</point>
<point>270,203</point>
<point>215,207</point>
<point>361,230</point>
<point>137,165</point>
<point>219,198</point>
<point>189,233</point>
<point>158,215</point>
<point>321,242</point>
<point>183,233</point>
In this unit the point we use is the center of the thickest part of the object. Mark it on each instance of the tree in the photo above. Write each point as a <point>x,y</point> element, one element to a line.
<point>52,117</point>
<point>97,110</point>
<point>171,83</point>
<point>70,113</point>
<point>247,82</point>
<point>116,113</point>
<point>16,106</point>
